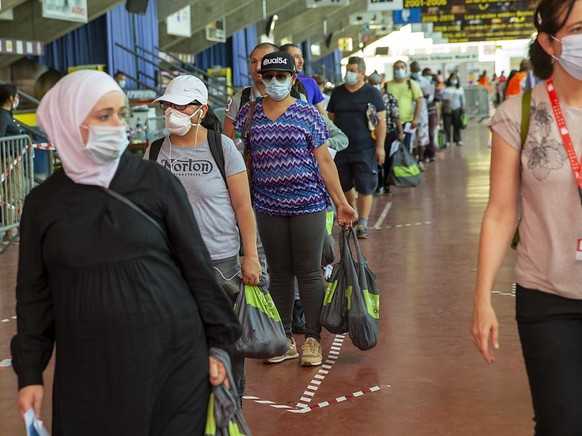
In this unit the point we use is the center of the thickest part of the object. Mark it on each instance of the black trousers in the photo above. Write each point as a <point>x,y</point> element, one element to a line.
<point>453,121</point>
<point>384,169</point>
<point>550,329</point>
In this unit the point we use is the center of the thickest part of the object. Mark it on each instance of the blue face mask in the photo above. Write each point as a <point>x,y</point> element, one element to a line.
<point>399,74</point>
<point>277,90</point>
<point>351,78</point>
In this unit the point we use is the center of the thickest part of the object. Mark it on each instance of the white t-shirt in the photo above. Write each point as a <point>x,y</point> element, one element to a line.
<point>207,191</point>
<point>551,211</point>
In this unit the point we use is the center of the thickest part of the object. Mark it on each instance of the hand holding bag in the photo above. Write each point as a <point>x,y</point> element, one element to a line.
<point>263,335</point>
<point>224,416</point>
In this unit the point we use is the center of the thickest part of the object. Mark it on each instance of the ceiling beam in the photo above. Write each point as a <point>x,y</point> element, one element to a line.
<point>30,25</point>
<point>10,4</point>
<point>234,22</point>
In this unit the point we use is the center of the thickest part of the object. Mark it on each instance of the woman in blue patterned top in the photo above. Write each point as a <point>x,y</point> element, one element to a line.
<point>292,175</point>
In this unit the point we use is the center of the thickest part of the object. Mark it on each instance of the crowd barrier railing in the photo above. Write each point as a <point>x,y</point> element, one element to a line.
<point>16,181</point>
<point>477,102</point>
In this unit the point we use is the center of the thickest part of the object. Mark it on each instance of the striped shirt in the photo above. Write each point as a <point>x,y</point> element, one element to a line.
<point>286,177</point>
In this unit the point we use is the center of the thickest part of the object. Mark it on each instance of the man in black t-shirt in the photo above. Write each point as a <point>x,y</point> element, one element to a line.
<point>358,164</point>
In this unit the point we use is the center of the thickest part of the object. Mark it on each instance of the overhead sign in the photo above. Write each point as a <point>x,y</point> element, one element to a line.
<point>464,6</point>
<point>445,58</point>
<point>456,37</point>
<point>384,5</point>
<point>65,10</point>
<point>365,17</point>
<point>407,16</point>
<point>322,3</point>
<point>216,31</point>
<point>179,24</point>
<point>484,26</point>
<point>17,46</point>
<point>345,44</point>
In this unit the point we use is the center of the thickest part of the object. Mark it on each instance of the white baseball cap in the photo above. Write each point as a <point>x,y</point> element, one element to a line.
<point>184,90</point>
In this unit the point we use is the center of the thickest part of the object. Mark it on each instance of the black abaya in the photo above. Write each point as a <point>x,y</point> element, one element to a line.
<point>131,321</point>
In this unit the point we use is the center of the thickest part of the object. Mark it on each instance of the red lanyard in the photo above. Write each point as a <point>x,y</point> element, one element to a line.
<point>568,144</point>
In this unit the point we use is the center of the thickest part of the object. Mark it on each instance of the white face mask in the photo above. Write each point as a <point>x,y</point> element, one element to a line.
<point>351,78</point>
<point>15,104</point>
<point>122,84</point>
<point>571,58</point>
<point>179,123</point>
<point>454,81</point>
<point>106,143</point>
<point>277,90</point>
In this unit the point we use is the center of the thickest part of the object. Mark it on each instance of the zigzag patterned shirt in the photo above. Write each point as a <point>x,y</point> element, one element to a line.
<point>286,177</point>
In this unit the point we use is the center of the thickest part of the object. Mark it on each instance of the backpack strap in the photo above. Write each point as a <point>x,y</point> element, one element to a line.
<point>215,145</point>
<point>525,115</point>
<point>155,148</point>
<point>245,96</point>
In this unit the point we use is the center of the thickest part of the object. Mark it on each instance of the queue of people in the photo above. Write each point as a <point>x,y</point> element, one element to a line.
<point>154,266</point>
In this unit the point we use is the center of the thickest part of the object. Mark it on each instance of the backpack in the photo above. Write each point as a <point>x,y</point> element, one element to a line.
<point>214,143</point>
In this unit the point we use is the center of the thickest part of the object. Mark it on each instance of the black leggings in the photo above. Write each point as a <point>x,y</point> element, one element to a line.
<point>293,245</point>
<point>453,121</point>
<point>550,329</point>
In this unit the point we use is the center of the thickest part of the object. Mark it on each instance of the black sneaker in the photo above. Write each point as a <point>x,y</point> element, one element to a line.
<point>362,232</point>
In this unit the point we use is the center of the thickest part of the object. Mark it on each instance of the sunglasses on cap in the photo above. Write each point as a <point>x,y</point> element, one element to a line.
<point>179,107</point>
<point>281,77</point>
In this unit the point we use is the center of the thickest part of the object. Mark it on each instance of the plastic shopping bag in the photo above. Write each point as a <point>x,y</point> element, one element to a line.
<point>363,300</point>
<point>328,254</point>
<point>263,335</point>
<point>224,416</point>
<point>333,312</point>
<point>405,171</point>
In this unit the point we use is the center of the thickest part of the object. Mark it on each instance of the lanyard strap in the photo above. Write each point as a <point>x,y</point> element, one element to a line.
<point>568,144</point>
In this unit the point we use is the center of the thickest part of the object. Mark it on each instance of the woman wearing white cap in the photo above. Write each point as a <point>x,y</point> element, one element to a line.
<point>126,292</point>
<point>219,198</point>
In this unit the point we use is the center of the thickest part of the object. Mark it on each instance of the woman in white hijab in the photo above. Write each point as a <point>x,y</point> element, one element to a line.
<point>126,291</point>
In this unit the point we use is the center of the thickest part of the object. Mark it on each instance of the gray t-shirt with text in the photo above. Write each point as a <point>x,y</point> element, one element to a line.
<point>207,191</point>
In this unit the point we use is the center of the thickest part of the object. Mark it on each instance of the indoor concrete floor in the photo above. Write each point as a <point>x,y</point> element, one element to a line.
<point>424,377</point>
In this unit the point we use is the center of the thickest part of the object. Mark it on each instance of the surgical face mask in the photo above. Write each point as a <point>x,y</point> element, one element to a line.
<point>351,78</point>
<point>399,74</point>
<point>278,90</point>
<point>106,143</point>
<point>571,58</point>
<point>454,81</point>
<point>378,87</point>
<point>179,123</point>
<point>15,104</point>
<point>122,84</point>
<point>415,75</point>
